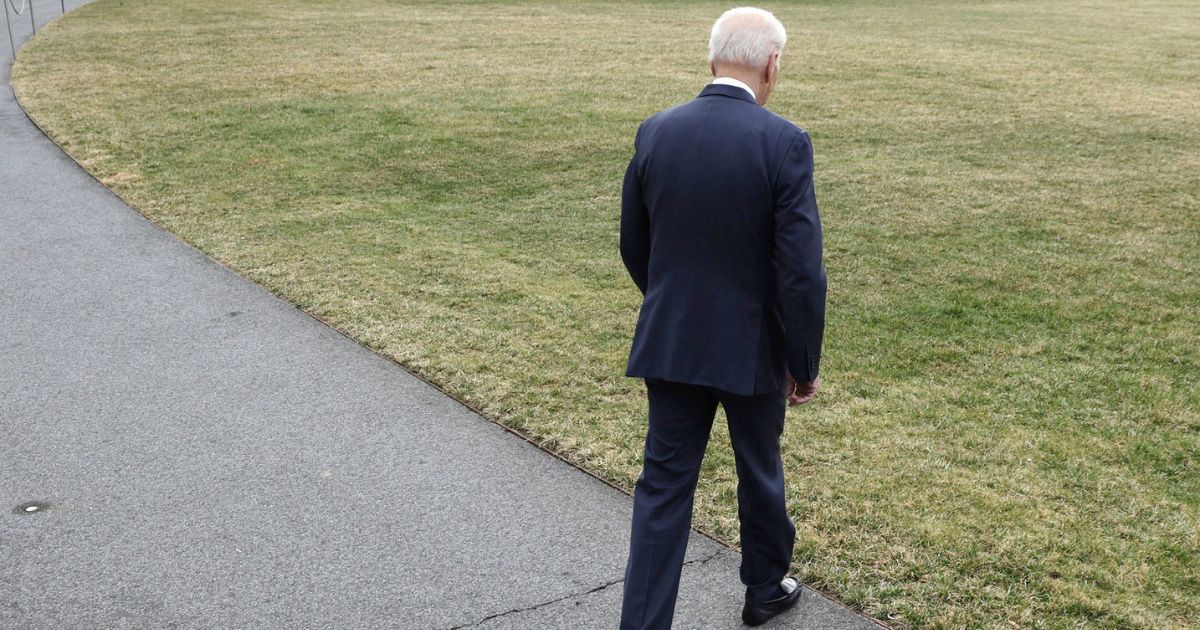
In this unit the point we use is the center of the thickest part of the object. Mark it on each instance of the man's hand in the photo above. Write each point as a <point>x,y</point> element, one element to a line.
<point>801,393</point>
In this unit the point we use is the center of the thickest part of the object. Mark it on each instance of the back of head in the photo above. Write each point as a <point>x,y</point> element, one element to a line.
<point>746,36</point>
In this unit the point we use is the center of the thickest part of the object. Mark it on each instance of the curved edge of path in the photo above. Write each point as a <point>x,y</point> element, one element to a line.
<point>198,452</point>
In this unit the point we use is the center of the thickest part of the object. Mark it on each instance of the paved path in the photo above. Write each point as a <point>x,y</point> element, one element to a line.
<point>212,457</point>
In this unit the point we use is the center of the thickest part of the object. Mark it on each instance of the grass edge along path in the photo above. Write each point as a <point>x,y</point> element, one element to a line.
<point>1010,413</point>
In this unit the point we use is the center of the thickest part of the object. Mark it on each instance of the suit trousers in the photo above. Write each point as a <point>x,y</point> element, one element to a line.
<point>681,418</point>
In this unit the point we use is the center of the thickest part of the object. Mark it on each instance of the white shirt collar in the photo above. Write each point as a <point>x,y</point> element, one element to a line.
<point>735,83</point>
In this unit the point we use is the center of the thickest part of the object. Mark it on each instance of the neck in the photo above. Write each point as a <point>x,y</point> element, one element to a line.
<point>745,75</point>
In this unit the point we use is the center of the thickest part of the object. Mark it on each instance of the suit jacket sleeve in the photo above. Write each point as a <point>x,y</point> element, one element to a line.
<point>635,224</point>
<point>801,279</point>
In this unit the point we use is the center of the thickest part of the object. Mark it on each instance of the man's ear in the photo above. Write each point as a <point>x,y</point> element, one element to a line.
<point>772,68</point>
<point>712,67</point>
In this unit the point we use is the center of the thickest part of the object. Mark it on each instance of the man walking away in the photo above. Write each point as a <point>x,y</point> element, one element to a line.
<point>720,232</point>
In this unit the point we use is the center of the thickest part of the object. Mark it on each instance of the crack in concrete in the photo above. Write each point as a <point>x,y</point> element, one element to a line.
<point>537,606</point>
<point>597,589</point>
<point>711,556</point>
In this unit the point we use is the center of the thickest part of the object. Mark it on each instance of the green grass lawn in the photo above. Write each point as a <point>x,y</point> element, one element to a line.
<point>1009,435</point>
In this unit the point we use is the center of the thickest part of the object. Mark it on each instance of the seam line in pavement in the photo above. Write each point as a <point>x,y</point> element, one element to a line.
<point>590,591</point>
<point>498,615</point>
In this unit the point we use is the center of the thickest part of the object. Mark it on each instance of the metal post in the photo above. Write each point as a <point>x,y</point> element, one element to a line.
<point>9,25</point>
<point>62,4</point>
<point>32,23</point>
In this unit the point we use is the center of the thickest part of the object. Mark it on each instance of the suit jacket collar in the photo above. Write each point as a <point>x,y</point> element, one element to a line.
<point>727,90</point>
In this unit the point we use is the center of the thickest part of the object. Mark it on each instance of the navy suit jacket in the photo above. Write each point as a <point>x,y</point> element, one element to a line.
<point>720,231</point>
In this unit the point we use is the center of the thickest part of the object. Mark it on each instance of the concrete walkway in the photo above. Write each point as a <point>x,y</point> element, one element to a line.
<point>206,455</point>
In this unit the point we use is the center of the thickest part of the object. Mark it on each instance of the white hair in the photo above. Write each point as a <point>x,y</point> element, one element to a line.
<point>746,36</point>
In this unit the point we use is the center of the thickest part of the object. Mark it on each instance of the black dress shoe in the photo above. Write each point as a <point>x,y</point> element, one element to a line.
<point>758,613</point>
